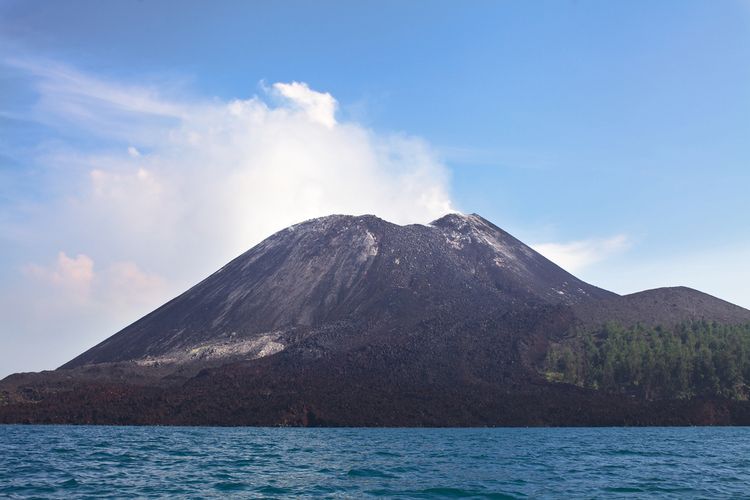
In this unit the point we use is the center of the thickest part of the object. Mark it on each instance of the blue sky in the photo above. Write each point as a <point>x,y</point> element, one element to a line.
<point>142,144</point>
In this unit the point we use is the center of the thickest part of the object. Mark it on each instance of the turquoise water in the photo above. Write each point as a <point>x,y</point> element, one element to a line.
<point>70,462</point>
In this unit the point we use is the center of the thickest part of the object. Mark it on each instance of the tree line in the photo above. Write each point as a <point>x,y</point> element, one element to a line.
<point>690,359</point>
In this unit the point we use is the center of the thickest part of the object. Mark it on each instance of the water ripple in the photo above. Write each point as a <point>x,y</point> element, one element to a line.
<point>94,462</point>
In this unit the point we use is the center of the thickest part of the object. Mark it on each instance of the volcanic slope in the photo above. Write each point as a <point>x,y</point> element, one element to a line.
<point>348,272</point>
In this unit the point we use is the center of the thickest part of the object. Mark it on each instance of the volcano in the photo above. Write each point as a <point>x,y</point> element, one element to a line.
<point>352,320</point>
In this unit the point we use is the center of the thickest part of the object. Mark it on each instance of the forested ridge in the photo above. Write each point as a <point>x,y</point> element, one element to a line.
<point>687,360</point>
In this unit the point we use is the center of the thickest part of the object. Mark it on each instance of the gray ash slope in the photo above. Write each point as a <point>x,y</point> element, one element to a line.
<point>348,281</point>
<point>360,273</point>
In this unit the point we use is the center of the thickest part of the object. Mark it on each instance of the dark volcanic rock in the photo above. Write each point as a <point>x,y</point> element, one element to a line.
<point>356,321</point>
<point>347,269</point>
<point>661,306</point>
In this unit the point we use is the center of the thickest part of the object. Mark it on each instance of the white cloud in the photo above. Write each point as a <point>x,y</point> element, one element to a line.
<point>218,177</point>
<point>74,280</point>
<point>578,255</point>
<point>63,307</point>
<point>75,275</point>
<point>319,107</point>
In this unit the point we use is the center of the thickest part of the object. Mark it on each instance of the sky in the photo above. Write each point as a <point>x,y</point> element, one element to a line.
<point>145,144</point>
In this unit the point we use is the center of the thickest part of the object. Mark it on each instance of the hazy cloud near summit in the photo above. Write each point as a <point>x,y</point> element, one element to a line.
<point>176,187</point>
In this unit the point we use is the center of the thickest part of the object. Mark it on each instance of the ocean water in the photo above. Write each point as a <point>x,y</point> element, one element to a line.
<point>96,462</point>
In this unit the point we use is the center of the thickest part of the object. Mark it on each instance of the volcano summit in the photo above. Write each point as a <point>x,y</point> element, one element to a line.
<point>347,320</point>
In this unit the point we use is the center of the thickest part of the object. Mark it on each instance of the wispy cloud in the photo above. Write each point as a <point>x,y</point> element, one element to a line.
<point>576,256</point>
<point>75,87</point>
<point>102,107</point>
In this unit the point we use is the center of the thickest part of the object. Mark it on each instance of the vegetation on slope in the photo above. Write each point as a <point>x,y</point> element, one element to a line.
<point>687,360</point>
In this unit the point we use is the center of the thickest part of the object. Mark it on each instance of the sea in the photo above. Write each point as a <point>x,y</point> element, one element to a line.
<point>211,462</point>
